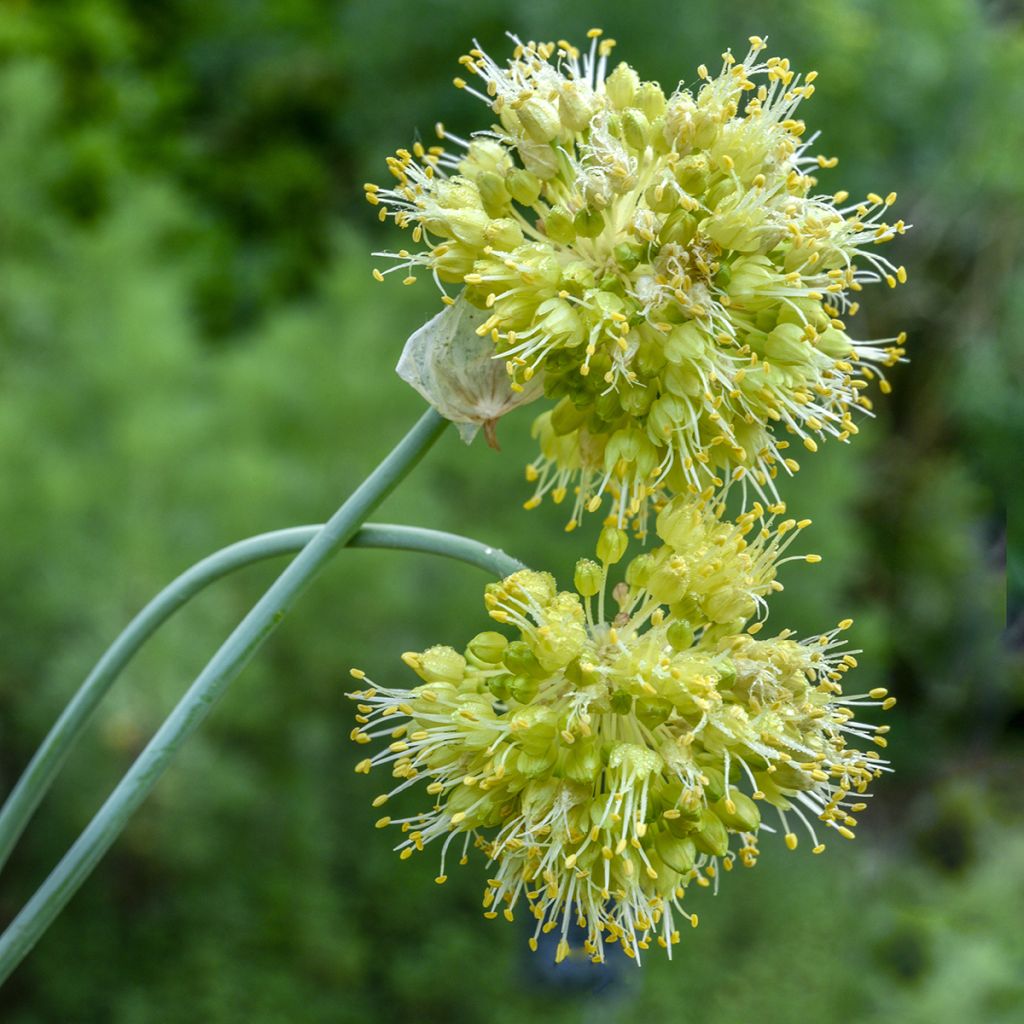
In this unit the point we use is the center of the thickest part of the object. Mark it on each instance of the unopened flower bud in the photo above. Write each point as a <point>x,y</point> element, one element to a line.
<point>621,86</point>
<point>588,578</point>
<point>680,635</point>
<point>738,812</point>
<point>679,228</point>
<point>559,226</point>
<point>539,119</point>
<point>493,193</point>
<point>523,186</point>
<point>611,545</point>
<point>636,129</point>
<point>487,648</point>
<point>439,665</point>
<point>787,344</point>
<point>834,343</point>
<point>575,106</point>
<point>589,223</point>
<point>651,100</point>
<point>692,173</point>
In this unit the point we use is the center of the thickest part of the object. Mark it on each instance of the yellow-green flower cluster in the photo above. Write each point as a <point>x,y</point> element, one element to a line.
<point>664,260</point>
<point>623,746</point>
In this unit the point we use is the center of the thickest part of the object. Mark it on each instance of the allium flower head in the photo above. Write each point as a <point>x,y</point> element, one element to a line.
<point>666,262</point>
<point>617,750</point>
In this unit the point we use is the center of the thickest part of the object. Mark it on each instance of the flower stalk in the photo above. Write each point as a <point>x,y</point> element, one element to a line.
<point>209,686</point>
<point>38,777</point>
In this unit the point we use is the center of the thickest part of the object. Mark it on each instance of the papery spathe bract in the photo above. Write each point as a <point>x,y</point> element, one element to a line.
<point>616,750</point>
<point>665,260</point>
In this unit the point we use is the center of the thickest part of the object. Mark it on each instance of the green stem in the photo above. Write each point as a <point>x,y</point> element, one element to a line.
<point>37,778</point>
<point>208,687</point>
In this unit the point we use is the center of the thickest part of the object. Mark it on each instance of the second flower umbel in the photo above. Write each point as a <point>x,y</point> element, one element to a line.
<point>623,746</point>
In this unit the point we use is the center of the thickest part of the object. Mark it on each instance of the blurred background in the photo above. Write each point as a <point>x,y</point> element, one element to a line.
<point>192,350</point>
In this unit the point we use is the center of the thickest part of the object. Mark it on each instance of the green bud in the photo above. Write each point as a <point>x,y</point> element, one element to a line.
<point>567,417</point>
<point>682,379</point>
<point>635,399</point>
<point>686,343</point>
<point>636,129</point>
<point>788,776</point>
<point>611,545</point>
<point>787,345</point>
<point>678,854</point>
<point>499,685</point>
<point>560,321</point>
<point>833,343</point>
<point>665,415</point>
<point>805,311</point>
<point>484,155</point>
<point>680,635</point>
<point>439,665</point>
<point>588,578</point>
<point>523,688</point>
<point>670,582</point>
<point>520,660</point>
<point>621,86</point>
<point>523,186</point>
<point>738,230</point>
<point>493,193</point>
<point>638,572</point>
<point>464,224</point>
<point>650,357</point>
<point>536,729</point>
<point>487,648</point>
<point>651,100</point>
<point>612,283</point>
<point>743,816</point>
<point>539,158</point>
<point>662,197</point>
<point>559,225</point>
<point>628,255</point>
<point>714,788</point>
<point>690,809</point>
<point>692,173</point>
<point>720,190</point>
<point>582,761</point>
<point>574,107</point>
<point>534,765</point>
<point>713,837</point>
<point>749,274</point>
<point>728,604</point>
<point>589,223</point>
<point>678,523</point>
<point>503,234</point>
<point>631,446</point>
<point>539,119</point>
<point>679,228</point>
<point>721,630</point>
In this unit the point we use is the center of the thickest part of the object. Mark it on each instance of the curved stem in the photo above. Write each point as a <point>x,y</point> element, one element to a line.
<point>208,687</point>
<point>436,542</point>
<point>37,778</point>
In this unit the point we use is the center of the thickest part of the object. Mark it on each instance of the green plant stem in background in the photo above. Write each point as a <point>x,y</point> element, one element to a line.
<point>208,687</point>
<point>53,751</point>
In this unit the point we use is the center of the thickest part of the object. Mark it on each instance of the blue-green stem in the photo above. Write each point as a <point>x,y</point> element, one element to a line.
<point>208,687</point>
<point>38,776</point>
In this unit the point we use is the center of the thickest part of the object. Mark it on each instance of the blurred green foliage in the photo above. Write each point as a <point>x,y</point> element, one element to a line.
<point>193,351</point>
